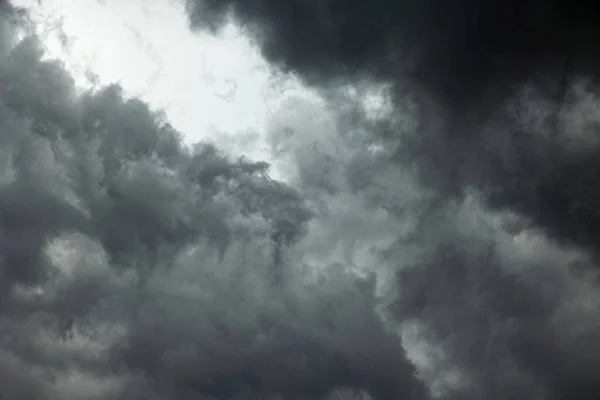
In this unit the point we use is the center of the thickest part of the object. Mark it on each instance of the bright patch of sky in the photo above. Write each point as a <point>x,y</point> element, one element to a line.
<point>211,87</point>
<point>206,84</point>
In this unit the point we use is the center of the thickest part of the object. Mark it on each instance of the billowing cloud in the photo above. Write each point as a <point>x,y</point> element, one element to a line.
<point>498,154</point>
<point>410,250</point>
<point>134,266</point>
<point>500,88</point>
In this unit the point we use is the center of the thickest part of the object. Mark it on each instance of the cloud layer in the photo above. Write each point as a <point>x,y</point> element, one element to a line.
<point>442,249</point>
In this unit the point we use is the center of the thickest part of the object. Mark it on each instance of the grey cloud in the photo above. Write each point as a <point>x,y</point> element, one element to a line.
<point>505,106</point>
<point>486,308</point>
<point>464,64</point>
<point>133,266</point>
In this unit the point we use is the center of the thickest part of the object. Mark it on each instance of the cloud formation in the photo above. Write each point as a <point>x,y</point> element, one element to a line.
<point>499,88</point>
<point>422,253</point>
<point>133,266</point>
<point>456,49</point>
<point>504,98</point>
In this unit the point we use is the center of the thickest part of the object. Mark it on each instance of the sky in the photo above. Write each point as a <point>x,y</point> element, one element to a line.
<point>118,42</point>
<point>259,200</point>
<point>223,75</point>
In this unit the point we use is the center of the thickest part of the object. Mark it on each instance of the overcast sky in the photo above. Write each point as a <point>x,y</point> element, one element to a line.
<point>369,201</point>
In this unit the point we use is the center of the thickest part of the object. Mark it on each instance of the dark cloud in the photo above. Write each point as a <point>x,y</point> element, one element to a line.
<point>462,62</point>
<point>504,97</point>
<point>426,252</point>
<point>456,49</point>
<point>133,266</point>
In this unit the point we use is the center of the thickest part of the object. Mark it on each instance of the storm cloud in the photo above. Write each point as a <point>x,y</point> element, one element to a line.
<point>499,88</point>
<point>442,249</point>
<point>504,99</point>
<point>134,266</point>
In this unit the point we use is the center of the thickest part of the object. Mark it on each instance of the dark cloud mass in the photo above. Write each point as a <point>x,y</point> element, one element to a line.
<point>442,250</point>
<point>506,103</point>
<point>506,106</point>
<point>463,61</point>
<point>455,49</point>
